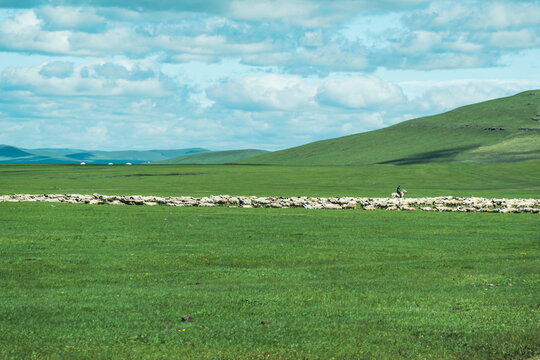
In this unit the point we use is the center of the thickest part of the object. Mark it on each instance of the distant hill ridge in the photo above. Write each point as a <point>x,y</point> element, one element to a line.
<point>13,155</point>
<point>500,130</point>
<point>214,157</point>
<point>12,152</point>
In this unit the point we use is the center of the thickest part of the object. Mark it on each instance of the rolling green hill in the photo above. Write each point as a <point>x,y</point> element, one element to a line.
<point>213,157</point>
<point>14,155</point>
<point>500,130</point>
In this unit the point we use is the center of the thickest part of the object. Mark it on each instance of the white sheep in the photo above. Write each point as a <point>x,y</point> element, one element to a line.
<point>396,195</point>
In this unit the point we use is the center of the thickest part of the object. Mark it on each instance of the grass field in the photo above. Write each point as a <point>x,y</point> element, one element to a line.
<point>87,282</point>
<point>489,180</point>
<point>93,282</point>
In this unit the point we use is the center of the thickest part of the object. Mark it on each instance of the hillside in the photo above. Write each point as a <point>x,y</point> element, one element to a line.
<point>500,130</point>
<point>14,155</point>
<point>7,151</point>
<point>214,157</point>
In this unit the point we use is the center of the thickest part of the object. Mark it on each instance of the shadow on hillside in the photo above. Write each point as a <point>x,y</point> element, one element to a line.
<point>12,152</point>
<point>80,156</point>
<point>443,155</point>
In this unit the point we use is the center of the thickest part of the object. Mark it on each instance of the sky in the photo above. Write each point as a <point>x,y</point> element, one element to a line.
<point>241,74</point>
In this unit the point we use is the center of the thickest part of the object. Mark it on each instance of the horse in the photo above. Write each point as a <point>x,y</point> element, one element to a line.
<point>396,195</point>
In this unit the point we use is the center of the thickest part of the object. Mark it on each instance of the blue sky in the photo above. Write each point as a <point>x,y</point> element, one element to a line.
<point>267,74</point>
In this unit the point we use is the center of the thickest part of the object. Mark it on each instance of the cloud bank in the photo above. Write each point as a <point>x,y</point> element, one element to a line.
<point>238,74</point>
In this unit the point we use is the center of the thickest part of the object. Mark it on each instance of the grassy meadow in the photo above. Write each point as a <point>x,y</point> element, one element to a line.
<point>113,282</point>
<point>519,179</point>
<point>87,282</point>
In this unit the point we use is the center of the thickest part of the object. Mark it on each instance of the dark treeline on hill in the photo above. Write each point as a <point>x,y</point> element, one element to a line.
<point>500,130</point>
<point>495,131</point>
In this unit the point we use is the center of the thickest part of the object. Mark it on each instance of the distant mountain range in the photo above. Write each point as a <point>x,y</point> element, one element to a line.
<point>14,155</point>
<point>500,130</point>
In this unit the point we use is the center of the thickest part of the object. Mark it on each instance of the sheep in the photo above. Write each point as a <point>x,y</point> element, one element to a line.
<point>396,195</point>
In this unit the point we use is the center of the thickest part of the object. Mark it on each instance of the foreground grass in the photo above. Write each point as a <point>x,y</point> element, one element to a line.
<point>92,282</point>
<point>496,180</point>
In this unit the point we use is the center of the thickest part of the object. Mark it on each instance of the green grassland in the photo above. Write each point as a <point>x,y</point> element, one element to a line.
<point>109,282</point>
<point>500,130</point>
<point>213,157</point>
<point>97,282</point>
<point>518,179</point>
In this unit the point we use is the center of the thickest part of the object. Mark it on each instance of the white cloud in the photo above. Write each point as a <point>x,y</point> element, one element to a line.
<point>94,135</point>
<point>24,33</point>
<point>449,61</point>
<point>453,34</point>
<point>51,79</point>
<point>419,42</point>
<point>524,38</point>
<point>63,17</point>
<point>360,92</point>
<point>505,15</point>
<point>27,32</point>
<point>271,9</point>
<point>23,23</point>
<point>320,125</point>
<point>312,39</point>
<point>84,70</point>
<point>443,96</point>
<point>266,92</point>
<point>278,33</point>
<point>58,69</point>
<point>320,60</point>
<point>208,48</point>
<point>476,15</point>
<point>302,13</point>
<point>313,14</point>
<point>462,44</point>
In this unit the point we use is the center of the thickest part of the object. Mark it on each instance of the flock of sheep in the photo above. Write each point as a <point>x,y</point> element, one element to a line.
<point>441,203</point>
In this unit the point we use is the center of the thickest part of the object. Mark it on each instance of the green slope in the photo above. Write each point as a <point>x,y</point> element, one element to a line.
<point>500,130</point>
<point>214,157</point>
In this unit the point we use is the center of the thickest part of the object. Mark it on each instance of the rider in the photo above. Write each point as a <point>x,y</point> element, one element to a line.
<point>398,190</point>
